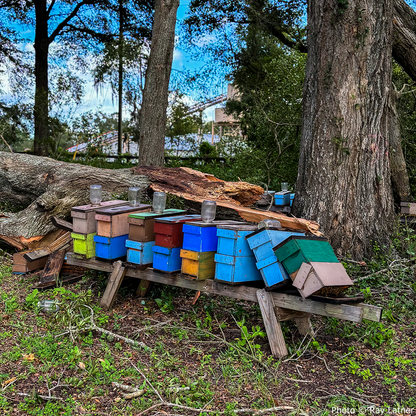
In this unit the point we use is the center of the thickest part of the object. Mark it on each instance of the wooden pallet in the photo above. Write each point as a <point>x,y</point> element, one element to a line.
<point>275,307</point>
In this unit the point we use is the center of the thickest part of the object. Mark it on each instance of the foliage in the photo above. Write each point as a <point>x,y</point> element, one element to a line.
<point>407,114</point>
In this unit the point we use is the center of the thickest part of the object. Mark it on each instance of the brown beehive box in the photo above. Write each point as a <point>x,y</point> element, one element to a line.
<point>84,221</point>
<point>21,265</point>
<point>321,278</point>
<point>113,222</point>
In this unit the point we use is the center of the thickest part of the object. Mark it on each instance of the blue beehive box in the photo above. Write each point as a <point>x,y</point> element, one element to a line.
<point>262,243</point>
<point>236,270</point>
<point>199,238</point>
<point>110,248</point>
<point>202,236</point>
<point>282,198</point>
<point>292,197</point>
<point>167,259</point>
<point>231,240</point>
<point>273,273</point>
<point>140,252</point>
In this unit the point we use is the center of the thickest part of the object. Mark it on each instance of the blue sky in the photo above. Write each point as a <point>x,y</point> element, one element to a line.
<point>103,100</point>
<point>181,61</point>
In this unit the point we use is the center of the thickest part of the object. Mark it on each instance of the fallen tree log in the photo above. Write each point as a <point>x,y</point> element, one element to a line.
<point>47,188</point>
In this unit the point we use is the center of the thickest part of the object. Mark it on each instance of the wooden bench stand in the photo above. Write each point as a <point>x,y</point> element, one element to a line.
<point>275,307</point>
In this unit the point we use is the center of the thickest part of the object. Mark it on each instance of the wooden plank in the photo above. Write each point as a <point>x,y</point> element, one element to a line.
<point>53,267</point>
<point>58,244</point>
<point>113,285</point>
<point>93,264</point>
<point>371,312</point>
<point>282,300</point>
<point>61,224</point>
<point>273,329</point>
<point>345,312</point>
<point>142,288</point>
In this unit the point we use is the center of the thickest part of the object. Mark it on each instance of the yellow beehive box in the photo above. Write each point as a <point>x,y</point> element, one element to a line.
<point>84,244</point>
<point>197,264</point>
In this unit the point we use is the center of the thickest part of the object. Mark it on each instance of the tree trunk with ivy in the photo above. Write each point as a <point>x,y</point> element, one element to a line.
<point>344,172</point>
<point>156,88</point>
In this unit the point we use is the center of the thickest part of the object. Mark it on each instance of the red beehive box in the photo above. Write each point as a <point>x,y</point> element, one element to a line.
<point>168,231</point>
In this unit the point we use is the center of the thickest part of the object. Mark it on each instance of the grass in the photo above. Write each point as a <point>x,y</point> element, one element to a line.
<point>212,356</point>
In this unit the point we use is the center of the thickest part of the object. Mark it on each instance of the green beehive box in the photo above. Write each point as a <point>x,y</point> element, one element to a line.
<point>298,249</point>
<point>84,244</point>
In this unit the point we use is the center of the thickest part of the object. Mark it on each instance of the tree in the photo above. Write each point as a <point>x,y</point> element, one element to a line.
<point>53,20</point>
<point>344,172</point>
<point>156,90</point>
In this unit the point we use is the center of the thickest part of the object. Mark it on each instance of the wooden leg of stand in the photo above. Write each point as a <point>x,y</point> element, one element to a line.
<point>143,288</point>
<point>273,329</point>
<point>305,326</point>
<point>113,285</point>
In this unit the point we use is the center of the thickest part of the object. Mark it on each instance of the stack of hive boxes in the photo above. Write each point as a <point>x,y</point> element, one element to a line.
<point>113,230</point>
<point>234,261</point>
<point>168,242</point>
<point>142,235</point>
<point>262,242</point>
<point>199,247</point>
<point>84,227</point>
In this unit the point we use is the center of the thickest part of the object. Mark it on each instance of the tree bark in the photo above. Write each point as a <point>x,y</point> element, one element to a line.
<point>399,175</point>
<point>344,173</point>
<point>156,88</point>
<point>404,37</point>
<point>41,110</point>
<point>49,188</point>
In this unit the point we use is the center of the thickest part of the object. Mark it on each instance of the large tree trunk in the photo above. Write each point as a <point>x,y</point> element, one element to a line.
<point>156,88</point>
<point>41,111</point>
<point>344,174</point>
<point>399,175</point>
<point>404,37</point>
<point>51,188</point>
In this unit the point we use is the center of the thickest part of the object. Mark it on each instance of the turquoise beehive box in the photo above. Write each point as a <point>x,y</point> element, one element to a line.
<point>140,252</point>
<point>262,242</point>
<point>236,270</point>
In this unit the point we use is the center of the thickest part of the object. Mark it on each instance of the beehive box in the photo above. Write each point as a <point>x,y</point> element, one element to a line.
<point>202,236</point>
<point>264,240</point>
<point>84,244</point>
<point>282,198</point>
<point>236,270</point>
<point>21,265</point>
<point>273,273</point>
<point>141,225</point>
<point>167,259</point>
<point>322,279</point>
<point>198,264</point>
<point>83,216</point>
<point>168,231</point>
<point>112,222</point>
<point>232,241</point>
<point>139,252</point>
<point>297,250</point>
<point>110,248</point>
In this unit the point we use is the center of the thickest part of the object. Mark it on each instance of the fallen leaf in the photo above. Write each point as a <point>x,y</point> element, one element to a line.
<point>81,365</point>
<point>29,357</point>
<point>117,399</point>
<point>5,383</point>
